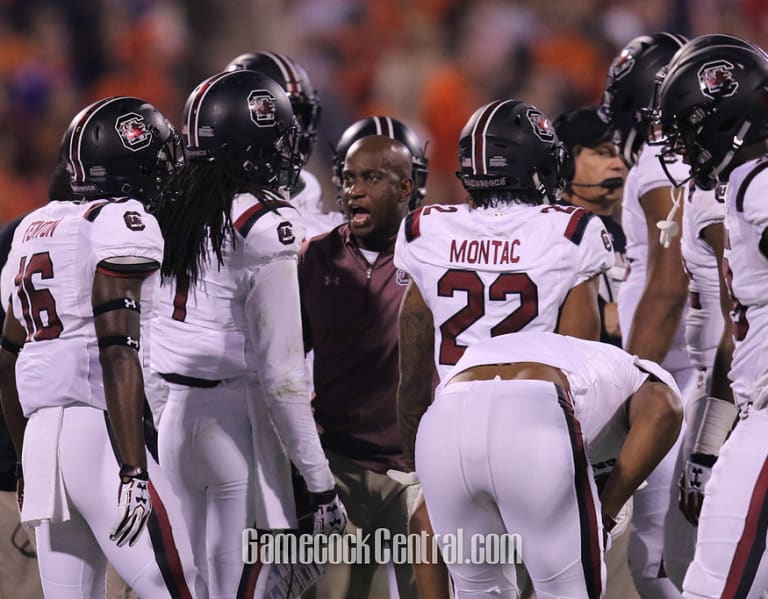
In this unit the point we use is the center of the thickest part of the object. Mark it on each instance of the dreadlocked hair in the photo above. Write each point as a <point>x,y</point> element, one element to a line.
<point>201,213</point>
<point>492,198</point>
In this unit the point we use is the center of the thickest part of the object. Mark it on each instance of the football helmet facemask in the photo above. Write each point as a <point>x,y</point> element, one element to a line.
<point>711,104</point>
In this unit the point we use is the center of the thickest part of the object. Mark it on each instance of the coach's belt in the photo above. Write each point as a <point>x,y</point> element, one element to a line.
<point>189,381</point>
<point>517,370</point>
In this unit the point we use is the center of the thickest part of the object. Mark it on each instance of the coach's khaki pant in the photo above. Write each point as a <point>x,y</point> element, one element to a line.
<point>373,501</point>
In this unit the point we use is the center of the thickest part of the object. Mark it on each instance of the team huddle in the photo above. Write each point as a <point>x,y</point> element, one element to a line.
<point>161,306</point>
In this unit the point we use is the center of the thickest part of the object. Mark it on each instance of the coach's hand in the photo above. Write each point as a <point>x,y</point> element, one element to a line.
<point>328,515</point>
<point>693,480</point>
<point>134,505</point>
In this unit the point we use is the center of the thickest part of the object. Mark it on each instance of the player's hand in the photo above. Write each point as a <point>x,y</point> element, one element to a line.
<point>693,480</point>
<point>134,505</point>
<point>328,515</point>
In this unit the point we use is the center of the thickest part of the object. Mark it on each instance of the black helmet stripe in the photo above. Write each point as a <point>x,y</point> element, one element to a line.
<point>292,83</point>
<point>77,134</point>
<point>194,110</point>
<point>478,136</point>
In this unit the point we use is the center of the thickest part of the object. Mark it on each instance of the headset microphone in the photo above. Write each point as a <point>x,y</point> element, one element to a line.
<point>610,183</point>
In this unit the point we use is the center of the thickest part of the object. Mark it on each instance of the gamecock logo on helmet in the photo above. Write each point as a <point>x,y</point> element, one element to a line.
<point>540,125</point>
<point>133,132</point>
<point>263,107</point>
<point>622,65</point>
<point>716,79</point>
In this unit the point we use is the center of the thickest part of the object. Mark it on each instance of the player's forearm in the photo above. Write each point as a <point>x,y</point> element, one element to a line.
<point>288,403</point>
<point>654,324</point>
<point>412,402</point>
<point>654,428</point>
<point>416,347</point>
<point>124,394</point>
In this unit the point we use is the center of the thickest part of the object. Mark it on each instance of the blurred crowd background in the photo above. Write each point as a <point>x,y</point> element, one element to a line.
<point>430,63</point>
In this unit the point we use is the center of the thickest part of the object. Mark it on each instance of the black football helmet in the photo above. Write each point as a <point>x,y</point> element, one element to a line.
<point>295,82</point>
<point>629,89</point>
<point>122,146</point>
<point>243,119</point>
<point>711,103</point>
<point>655,133</point>
<point>394,129</point>
<point>511,145</point>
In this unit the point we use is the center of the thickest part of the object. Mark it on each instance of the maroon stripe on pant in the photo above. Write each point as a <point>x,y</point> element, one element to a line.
<point>164,546</point>
<point>250,575</point>
<point>751,545</point>
<point>591,558</point>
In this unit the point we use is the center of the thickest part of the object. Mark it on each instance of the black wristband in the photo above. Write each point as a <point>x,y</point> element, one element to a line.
<point>128,472</point>
<point>9,345</point>
<point>324,497</point>
<point>703,459</point>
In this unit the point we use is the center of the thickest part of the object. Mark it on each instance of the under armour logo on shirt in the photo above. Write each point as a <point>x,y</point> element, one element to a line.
<point>328,279</point>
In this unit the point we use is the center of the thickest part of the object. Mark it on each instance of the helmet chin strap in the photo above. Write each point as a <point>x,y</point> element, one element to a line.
<point>669,227</point>
<point>736,143</point>
<point>540,186</point>
<point>628,155</point>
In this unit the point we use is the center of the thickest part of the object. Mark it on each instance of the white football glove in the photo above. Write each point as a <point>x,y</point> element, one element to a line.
<point>693,480</point>
<point>134,505</point>
<point>328,516</point>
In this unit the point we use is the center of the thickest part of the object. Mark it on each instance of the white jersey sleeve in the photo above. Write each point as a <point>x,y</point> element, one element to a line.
<point>275,343</point>
<point>124,229</point>
<point>269,227</point>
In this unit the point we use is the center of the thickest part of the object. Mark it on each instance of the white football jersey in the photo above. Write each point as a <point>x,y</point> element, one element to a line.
<point>646,175</point>
<point>746,267</point>
<point>488,271</point>
<point>54,257</point>
<point>602,378</point>
<point>309,202</point>
<point>201,330</point>
<point>704,320</point>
